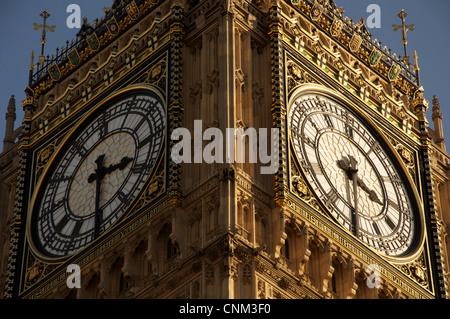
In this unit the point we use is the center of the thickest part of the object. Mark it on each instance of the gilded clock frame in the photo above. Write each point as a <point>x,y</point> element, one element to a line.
<point>321,90</point>
<point>39,273</point>
<point>141,88</point>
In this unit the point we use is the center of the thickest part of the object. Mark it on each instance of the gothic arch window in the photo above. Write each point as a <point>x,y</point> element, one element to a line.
<point>247,221</point>
<point>260,229</point>
<point>171,249</point>
<point>285,250</point>
<point>119,282</point>
<point>240,218</point>
<point>123,283</point>
<point>314,265</point>
<point>288,249</point>
<point>195,221</point>
<point>244,219</point>
<point>91,291</point>
<point>166,250</point>
<point>140,262</point>
<point>337,280</point>
<point>212,219</point>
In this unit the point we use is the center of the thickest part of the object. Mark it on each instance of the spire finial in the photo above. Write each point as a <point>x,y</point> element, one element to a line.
<point>8,142</point>
<point>405,28</point>
<point>436,108</point>
<point>12,107</point>
<point>45,28</point>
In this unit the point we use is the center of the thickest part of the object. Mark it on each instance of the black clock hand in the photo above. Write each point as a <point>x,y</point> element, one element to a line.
<point>353,170</point>
<point>121,166</point>
<point>349,165</point>
<point>345,165</point>
<point>98,177</point>
<point>100,173</point>
<point>372,194</point>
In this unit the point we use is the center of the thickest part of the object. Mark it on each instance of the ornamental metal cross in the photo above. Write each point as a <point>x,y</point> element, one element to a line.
<point>45,15</point>
<point>405,28</point>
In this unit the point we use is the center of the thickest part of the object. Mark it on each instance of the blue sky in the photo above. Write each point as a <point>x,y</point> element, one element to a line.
<point>430,39</point>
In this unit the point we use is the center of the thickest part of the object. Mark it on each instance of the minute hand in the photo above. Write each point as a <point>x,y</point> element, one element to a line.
<point>121,166</point>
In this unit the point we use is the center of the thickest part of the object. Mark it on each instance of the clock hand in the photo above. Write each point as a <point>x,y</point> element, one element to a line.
<point>372,194</point>
<point>100,173</point>
<point>353,171</point>
<point>121,166</point>
<point>346,165</point>
<point>349,165</point>
<point>97,177</point>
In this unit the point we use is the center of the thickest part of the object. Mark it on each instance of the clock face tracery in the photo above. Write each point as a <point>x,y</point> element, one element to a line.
<point>99,175</point>
<point>353,174</point>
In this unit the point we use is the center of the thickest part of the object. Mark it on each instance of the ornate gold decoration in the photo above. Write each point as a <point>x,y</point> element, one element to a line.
<point>45,155</point>
<point>355,42</point>
<point>35,271</point>
<point>407,157</point>
<point>157,75</point>
<point>336,27</point>
<point>297,76</point>
<point>301,189</point>
<point>133,11</point>
<point>316,11</point>
<point>417,270</point>
<point>155,187</point>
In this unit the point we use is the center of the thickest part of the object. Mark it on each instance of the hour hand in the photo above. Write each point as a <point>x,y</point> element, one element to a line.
<point>372,194</point>
<point>98,172</point>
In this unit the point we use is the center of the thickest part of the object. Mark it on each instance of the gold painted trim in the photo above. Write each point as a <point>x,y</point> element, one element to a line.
<point>311,88</point>
<point>49,168</point>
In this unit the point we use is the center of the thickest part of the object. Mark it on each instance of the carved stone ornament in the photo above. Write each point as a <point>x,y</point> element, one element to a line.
<point>242,253</point>
<point>300,188</point>
<point>407,157</point>
<point>297,76</point>
<point>417,271</point>
<point>336,27</point>
<point>45,155</point>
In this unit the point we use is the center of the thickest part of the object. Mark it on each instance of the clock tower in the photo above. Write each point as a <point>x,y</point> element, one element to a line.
<point>358,207</point>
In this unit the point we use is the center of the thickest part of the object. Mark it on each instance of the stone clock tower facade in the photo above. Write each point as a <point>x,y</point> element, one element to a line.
<point>358,207</point>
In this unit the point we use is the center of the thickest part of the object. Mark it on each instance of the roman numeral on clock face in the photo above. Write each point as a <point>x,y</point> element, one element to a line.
<point>77,228</point>
<point>145,141</point>
<point>124,199</point>
<point>81,150</point>
<point>140,168</point>
<point>62,223</point>
<point>349,131</point>
<point>394,205</point>
<point>103,125</point>
<point>328,121</point>
<point>390,223</point>
<point>331,198</point>
<point>376,229</point>
<point>139,125</point>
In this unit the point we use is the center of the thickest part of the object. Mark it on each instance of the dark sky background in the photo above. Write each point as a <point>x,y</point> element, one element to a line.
<point>430,39</point>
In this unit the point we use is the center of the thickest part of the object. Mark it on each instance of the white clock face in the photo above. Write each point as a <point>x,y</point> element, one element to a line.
<point>352,174</point>
<point>99,174</point>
